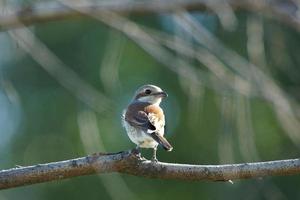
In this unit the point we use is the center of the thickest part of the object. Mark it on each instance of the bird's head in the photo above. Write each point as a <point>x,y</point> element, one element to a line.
<point>150,94</point>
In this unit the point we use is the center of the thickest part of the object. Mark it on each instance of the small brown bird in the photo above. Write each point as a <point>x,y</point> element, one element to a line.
<point>144,120</point>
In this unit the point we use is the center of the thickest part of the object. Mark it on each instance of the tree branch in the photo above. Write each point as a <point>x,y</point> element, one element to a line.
<point>128,163</point>
<point>285,11</point>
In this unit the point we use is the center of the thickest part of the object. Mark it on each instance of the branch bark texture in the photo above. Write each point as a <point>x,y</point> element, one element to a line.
<point>128,163</point>
<point>286,11</point>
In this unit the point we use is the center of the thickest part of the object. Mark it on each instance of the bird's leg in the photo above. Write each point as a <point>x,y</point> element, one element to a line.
<point>137,153</point>
<point>154,159</point>
<point>136,150</point>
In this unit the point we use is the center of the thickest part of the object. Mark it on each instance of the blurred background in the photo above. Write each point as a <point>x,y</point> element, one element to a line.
<point>232,75</point>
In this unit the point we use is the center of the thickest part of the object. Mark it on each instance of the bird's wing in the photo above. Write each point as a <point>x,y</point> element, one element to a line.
<point>141,120</point>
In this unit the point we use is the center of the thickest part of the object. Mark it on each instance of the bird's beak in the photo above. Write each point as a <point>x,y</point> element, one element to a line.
<point>161,94</point>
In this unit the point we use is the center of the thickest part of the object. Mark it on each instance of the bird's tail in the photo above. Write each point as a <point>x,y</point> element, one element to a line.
<point>162,141</point>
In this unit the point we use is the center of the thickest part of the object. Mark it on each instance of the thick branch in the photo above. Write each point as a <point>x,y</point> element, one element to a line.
<point>285,11</point>
<point>128,163</point>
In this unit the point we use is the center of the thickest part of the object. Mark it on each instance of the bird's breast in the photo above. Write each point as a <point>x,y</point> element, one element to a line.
<point>155,111</point>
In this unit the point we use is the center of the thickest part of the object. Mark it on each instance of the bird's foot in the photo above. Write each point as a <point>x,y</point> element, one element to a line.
<point>136,152</point>
<point>154,159</point>
<point>141,158</point>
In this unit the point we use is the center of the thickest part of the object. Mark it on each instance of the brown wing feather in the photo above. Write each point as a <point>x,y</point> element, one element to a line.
<point>136,116</point>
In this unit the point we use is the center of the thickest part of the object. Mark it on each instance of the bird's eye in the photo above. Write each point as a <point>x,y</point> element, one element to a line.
<point>147,91</point>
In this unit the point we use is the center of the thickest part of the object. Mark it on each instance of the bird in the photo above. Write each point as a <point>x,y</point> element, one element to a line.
<point>144,119</point>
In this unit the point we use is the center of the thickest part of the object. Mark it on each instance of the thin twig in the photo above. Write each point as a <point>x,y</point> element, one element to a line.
<point>44,12</point>
<point>128,163</point>
<point>68,78</point>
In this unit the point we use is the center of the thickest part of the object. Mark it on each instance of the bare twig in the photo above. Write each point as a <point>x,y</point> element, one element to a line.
<point>284,105</point>
<point>57,69</point>
<point>285,11</point>
<point>128,163</point>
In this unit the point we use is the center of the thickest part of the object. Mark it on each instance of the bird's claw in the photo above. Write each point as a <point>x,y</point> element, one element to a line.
<point>141,158</point>
<point>138,154</point>
<point>136,151</point>
<point>154,160</point>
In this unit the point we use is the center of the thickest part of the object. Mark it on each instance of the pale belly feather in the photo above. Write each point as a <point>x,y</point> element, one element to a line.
<point>139,137</point>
